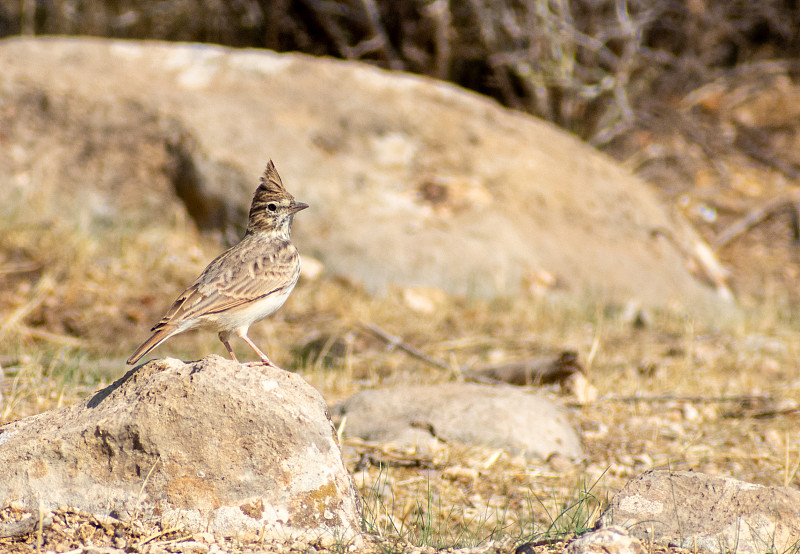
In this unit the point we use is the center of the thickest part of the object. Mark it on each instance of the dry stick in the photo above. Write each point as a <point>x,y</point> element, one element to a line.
<point>439,12</point>
<point>740,73</point>
<point>624,69</point>
<point>694,399</point>
<point>397,342</point>
<point>39,531</point>
<point>534,371</point>
<point>335,33</point>
<point>135,514</point>
<point>702,255</point>
<point>383,453</point>
<point>796,221</point>
<point>48,336</point>
<point>755,144</point>
<point>789,477</point>
<point>739,398</point>
<point>173,541</point>
<point>161,534</point>
<point>489,39</point>
<point>340,430</point>
<point>754,217</point>
<point>22,267</point>
<point>374,21</point>
<point>765,414</point>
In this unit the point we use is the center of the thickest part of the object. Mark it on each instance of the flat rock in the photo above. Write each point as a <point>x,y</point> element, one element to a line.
<point>214,445</point>
<point>411,181</point>
<point>701,512</point>
<point>522,422</point>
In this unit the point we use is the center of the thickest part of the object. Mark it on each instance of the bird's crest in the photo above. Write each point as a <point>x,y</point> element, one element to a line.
<point>270,188</point>
<point>270,181</point>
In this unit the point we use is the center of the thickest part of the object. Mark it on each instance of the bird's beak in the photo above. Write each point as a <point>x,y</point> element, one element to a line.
<point>297,206</point>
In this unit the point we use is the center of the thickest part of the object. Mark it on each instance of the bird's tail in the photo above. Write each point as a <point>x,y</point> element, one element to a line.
<point>155,339</point>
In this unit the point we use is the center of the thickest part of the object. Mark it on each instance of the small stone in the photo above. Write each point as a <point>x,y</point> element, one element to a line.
<point>526,548</point>
<point>770,367</point>
<point>610,540</point>
<point>311,268</point>
<point>578,385</point>
<point>461,474</point>
<point>775,439</point>
<point>424,300</point>
<point>207,538</point>
<point>560,464</point>
<point>690,413</point>
<point>193,547</point>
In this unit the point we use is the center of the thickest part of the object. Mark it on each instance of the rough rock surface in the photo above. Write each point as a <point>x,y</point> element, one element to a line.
<point>523,422</point>
<point>217,446</point>
<point>611,540</point>
<point>701,512</point>
<point>387,161</point>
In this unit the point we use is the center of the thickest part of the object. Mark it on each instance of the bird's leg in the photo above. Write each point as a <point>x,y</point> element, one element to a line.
<point>224,338</point>
<point>264,359</point>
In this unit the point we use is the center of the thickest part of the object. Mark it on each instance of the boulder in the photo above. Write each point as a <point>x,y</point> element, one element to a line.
<point>706,513</point>
<point>217,446</point>
<point>424,416</point>
<point>411,181</point>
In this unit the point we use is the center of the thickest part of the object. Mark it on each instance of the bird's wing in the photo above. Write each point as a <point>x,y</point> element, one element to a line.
<point>237,277</point>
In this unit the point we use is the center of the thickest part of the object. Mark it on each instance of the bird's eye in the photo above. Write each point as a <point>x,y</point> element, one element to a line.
<point>272,207</point>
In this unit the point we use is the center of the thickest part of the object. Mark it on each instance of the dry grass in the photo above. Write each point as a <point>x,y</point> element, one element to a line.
<point>77,295</point>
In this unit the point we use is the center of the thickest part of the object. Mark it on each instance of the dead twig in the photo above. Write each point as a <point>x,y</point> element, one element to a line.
<point>379,454</point>
<point>756,216</point>
<point>163,533</point>
<point>702,257</point>
<point>397,342</point>
<point>21,267</point>
<point>439,12</point>
<point>748,399</point>
<point>531,372</point>
<point>380,36</point>
<point>765,410</point>
<point>755,143</point>
<point>56,338</point>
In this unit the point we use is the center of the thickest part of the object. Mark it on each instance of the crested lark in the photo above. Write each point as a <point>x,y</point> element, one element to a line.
<point>246,283</point>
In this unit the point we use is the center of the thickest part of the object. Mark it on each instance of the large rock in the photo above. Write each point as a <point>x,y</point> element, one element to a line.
<point>214,445</point>
<point>411,181</point>
<point>701,512</point>
<point>422,416</point>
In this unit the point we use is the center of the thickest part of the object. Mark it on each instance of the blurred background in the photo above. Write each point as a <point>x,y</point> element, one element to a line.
<point>698,97</point>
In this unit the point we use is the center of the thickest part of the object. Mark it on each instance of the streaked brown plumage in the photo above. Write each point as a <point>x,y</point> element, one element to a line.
<point>244,284</point>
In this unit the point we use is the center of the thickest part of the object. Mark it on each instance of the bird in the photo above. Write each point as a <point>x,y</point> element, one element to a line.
<point>244,284</point>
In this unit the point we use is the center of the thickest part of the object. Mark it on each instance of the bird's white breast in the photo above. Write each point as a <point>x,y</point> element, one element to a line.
<point>244,316</point>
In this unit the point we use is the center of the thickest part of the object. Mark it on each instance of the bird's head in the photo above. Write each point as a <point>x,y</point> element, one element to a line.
<point>273,208</point>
